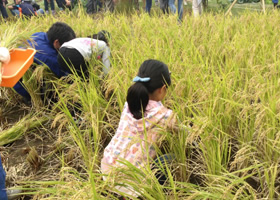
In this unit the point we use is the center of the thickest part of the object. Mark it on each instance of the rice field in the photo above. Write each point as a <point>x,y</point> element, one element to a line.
<point>225,90</point>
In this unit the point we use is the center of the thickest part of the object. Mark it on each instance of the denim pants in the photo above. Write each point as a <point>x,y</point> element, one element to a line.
<point>3,10</point>
<point>148,6</point>
<point>46,3</point>
<point>15,12</point>
<point>3,194</point>
<point>160,165</point>
<point>40,11</point>
<point>172,7</point>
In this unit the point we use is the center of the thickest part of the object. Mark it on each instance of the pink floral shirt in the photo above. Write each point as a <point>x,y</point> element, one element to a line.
<point>134,137</point>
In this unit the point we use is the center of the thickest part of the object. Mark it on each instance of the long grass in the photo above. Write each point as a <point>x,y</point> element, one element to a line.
<point>225,92</point>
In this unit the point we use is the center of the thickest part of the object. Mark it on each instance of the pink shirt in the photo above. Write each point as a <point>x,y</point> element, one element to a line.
<point>134,137</point>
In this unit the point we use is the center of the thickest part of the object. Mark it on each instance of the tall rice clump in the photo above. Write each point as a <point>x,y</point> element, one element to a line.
<point>225,91</point>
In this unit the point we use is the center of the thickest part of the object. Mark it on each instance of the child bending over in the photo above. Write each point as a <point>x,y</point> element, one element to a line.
<point>23,8</point>
<point>78,52</point>
<point>143,113</point>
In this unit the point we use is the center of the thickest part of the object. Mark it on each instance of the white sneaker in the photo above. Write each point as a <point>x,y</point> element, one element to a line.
<point>13,193</point>
<point>185,3</point>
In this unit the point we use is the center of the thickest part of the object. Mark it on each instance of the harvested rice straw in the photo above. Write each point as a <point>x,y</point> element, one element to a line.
<point>25,125</point>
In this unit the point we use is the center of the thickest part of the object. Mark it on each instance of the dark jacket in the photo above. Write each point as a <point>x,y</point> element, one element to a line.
<point>27,9</point>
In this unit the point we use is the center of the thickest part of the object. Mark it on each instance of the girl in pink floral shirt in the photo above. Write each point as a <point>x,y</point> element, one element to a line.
<point>142,117</point>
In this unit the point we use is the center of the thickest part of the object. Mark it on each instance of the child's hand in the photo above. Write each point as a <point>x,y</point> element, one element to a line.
<point>4,55</point>
<point>68,3</point>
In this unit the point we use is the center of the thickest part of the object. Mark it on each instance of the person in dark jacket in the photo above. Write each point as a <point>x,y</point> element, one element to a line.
<point>22,9</point>
<point>47,45</point>
<point>3,9</point>
<point>25,8</point>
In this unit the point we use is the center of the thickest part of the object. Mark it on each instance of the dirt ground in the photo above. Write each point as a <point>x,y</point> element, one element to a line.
<point>29,157</point>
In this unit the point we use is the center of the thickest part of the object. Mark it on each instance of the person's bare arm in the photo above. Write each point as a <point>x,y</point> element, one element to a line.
<point>68,2</point>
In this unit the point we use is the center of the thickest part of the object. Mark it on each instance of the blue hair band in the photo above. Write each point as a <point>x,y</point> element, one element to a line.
<point>139,79</point>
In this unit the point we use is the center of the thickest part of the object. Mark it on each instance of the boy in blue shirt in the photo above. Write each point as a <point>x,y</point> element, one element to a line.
<point>47,45</point>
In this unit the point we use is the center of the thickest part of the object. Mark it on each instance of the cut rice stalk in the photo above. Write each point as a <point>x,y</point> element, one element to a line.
<point>24,126</point>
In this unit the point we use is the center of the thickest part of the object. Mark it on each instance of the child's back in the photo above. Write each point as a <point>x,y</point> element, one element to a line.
<point>130,139</point>
<point>27,9</point>
<point>22,8</point>
<point>78,52</point>
<point>142,120</point>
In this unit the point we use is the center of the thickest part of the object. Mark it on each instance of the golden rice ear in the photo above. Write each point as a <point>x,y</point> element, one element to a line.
<point>70,156</point>
<point>34,159</point>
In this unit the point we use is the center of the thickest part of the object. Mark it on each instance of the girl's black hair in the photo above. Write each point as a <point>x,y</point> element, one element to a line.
<point>102,35</point>
<point>138,94</point>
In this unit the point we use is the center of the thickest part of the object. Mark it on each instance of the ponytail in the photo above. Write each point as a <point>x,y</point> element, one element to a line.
<point>102,36</point>
<point>137,99</point>
<point>152,75</point>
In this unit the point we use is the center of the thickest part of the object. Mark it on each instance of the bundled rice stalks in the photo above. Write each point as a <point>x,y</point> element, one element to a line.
<point>38,87</point>
<point>24,126</point>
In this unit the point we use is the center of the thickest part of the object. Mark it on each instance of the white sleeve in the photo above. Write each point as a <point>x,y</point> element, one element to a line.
<point>106,59</point>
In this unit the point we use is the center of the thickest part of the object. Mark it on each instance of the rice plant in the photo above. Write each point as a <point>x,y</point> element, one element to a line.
<point>225,92</point>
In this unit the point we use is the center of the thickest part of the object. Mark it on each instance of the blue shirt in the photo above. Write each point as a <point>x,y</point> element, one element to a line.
<point>45,54</point>
<point>3,194</point>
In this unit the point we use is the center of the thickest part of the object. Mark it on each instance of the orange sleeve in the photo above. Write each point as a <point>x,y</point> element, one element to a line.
<point>20,12</point>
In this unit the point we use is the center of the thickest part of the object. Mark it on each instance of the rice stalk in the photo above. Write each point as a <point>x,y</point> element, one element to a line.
<point>225,83</point>
<point>24,126</point>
